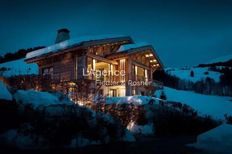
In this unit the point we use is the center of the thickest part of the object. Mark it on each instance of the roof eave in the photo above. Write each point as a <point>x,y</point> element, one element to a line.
<point>125,39</point>
<point>138,49</point>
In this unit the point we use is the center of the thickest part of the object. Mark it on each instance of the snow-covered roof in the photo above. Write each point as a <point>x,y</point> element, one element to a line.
<point>127,47</point>
<point>70,43</point>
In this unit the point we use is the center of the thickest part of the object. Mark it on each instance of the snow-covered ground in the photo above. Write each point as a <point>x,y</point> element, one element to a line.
<point>18,67</point>
<point>199,74</point>
<point>217,140</point>
<point>4,93</point>
<point>215,106</point>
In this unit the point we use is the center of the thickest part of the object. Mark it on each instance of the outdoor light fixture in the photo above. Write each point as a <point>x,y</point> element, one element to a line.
<point>149,55</point>
<point>151,61</point>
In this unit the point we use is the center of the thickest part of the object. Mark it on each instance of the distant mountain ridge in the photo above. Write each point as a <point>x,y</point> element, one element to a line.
<point>227,63</point>
<point>221,59</point>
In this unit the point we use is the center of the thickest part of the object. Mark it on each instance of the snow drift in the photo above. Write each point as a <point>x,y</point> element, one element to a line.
<point>217,140</point>
<point>37,99</point>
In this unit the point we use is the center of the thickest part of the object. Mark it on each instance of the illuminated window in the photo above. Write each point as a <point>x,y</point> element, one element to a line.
<point>113,93</point>
<point>140,74</point>
<point>94,64</point>
<point>136,72</point>
<point>146,75</point>
<point>122,68</point>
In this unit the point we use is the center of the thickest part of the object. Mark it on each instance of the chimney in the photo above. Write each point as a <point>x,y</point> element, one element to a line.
<point>62,35</point>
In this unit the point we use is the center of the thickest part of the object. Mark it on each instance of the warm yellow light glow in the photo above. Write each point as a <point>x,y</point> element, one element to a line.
<point>149,55</point>
<point>151,61</point>
<point>72,83</point>
<point>122,67</point>
<point>136,70</point>
<point>80,103</point>
<point>94,64</point>
<point>156,65</point>
<point>146,75</point>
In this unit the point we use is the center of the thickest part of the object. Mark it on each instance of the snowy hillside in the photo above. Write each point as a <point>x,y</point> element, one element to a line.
<point>199,74</point>
<point>215,106</point>
<point>18,67</point>
<point>202,72</point>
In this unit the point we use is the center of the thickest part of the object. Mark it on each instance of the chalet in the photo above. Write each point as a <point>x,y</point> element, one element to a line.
<point>116,61</point>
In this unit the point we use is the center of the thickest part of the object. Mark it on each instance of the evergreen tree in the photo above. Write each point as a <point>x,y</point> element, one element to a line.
<point>163,96</point>
<point>192,73</point>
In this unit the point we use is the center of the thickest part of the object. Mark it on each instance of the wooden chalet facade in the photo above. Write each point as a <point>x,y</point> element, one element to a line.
<point>67,60</point>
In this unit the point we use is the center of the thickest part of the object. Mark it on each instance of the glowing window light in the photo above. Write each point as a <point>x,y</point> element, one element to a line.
<point>146,75</point>
<point>122,67</point>
<point>94,64</point>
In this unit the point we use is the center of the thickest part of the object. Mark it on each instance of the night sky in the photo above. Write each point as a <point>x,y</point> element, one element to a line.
<point>183,32</point>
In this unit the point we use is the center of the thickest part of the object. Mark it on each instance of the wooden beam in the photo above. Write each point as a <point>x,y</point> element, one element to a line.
<point>129,73</point>
<point>51,54</point>
<point>102,59</point>
<point>140,65</point>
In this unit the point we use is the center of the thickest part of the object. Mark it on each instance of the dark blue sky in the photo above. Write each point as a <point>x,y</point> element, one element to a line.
<point>184,32</point>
